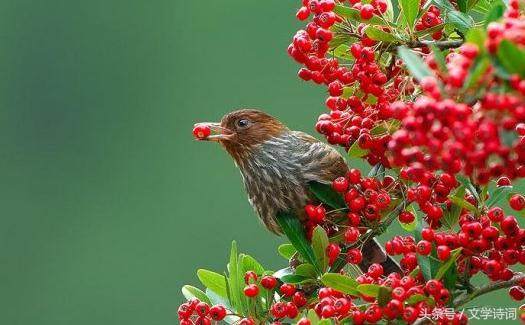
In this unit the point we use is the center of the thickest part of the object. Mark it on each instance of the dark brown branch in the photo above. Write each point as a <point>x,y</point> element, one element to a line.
<point>489,287</point>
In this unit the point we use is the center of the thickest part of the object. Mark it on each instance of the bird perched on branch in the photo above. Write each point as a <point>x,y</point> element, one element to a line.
<point>277,164</point>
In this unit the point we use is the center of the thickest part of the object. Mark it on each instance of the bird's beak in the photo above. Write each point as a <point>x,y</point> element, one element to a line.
<point>219,133</point>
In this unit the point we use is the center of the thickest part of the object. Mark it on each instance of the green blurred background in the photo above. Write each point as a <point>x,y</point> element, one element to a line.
<point>108,204</point>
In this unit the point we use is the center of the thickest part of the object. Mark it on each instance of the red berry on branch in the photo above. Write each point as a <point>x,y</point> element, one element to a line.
<point>340,184</point>
<point>217,312</point>
<point>354,256</point>
<point>287,289</point>
<point>367,11</point>
<point>443,252</point>
<point>268,282</point>
<point>251,290</point>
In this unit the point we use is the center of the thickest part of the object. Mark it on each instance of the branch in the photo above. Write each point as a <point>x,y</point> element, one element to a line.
<point>442,45</point>
<point>461,300</point>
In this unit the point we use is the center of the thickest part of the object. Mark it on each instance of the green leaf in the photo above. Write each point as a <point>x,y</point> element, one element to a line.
<point>414,63</point>
<point>410,10</point>
<point>471,4</point>
<point>340,282</point>
<point>286,250</point>
<point>312,317</point>
<point>326,194</point>
<point>356,151</point>
<point>354,15</point>
<point>498,194</point>
<point>292,278</point>
<point>462,5</point>
<point>428,31</point>
<point>293,229</point>
<point>509,55</point>
<point>213,281</point>
<point>415,298</point>
<point>250,264</point>
<point>448,263</point>
<point>444,5</point>
<point>319,244</point>
<point>379,35</point>
<point>439,57</point>
<point>236,281</point>
<point>495,13</point>
<point>461,21</point>
<point>469,186</point>
<point>306,270</point>
<point>423,261</point>
<point>451,217</point>
<point>284,272</point>
<point>384,296</point>
<point>477,36</point>
<point>410,227</point>
<point>326,321</point>
<point>342,52</point>
<point>190,292</point>
<point>463,203</point>
<point>371,290</point>
<point>478,69</point>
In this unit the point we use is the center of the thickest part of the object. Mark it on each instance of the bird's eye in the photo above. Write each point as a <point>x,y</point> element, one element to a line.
<point>243,123</point>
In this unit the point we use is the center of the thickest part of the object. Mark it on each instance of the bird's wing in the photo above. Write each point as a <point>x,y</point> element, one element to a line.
<point>321,162</point>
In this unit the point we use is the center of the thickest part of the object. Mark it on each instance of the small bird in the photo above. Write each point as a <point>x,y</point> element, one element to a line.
<point>277,164</point>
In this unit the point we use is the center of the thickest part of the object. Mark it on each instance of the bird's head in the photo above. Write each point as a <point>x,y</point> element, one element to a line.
<point>240,131</point>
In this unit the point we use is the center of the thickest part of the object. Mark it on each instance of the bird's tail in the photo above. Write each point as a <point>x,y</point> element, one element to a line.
<point>373,252</point>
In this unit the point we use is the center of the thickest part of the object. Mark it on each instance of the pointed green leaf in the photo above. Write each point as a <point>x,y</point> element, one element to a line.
<point>451,216</point>
<point>495,13</point>
<point>356,151</point>
<point>414,63</point>
<point>371,290</point>
<point>410,10</point>
<point>499,193</point>
<point>306,270</point>
<point>213,281</point>
<point>340,282</point>
<point>469,186</point>
<point>462,5</point>
<point>250,264</point>
<point>319,244</point>
<point>448,263</point>
<point>460,20</point>
<point>439,57</point>
<point>286,250</point>
<point>463,203</point>
<point>326,194</point>
<point>190,292</point>
<point>379,35</point>
<point>508,55</point>
<point>294,230</point>
<point>235,280</point>
<point>384,296</point>
<point>342,52</point>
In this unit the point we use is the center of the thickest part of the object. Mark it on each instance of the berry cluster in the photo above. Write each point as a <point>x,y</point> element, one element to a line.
<point>430,20</point>
<point>200,313</point>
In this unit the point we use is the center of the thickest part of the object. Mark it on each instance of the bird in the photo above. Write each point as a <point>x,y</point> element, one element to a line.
<point>276,165</point>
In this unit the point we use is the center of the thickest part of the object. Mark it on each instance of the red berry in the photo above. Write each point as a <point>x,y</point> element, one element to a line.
<point>279,310</point>
<point>340,184</point>
<point>249,277</point>
<point>351,235</point>
<point>246,321</point>
<point>517,293</point>
<point>443,252</point>
<point>517,202</point>
<point>406,217</point>
<point>299,299</point>
<point>268,282</point>
<point>251,290</point>
<point>332,251</point>
<point>217,312</point>
<point>287,289</point>
<point>520,129</point>
<point>302,13</point>
<point>201,131</point>
<point>367,11</point>
<point>424,247</point>
<point>354,256</point>
<point>304,321</point>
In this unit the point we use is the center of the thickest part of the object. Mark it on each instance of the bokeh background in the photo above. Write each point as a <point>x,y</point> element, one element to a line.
<point>108,206</point>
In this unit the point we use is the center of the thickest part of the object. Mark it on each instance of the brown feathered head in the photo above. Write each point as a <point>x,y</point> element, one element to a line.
<point>241,130</point>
